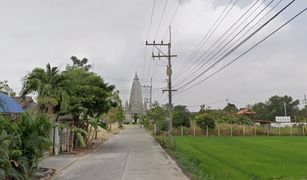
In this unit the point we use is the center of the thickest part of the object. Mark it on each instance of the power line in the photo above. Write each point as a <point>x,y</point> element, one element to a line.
<point>173,17</point>
<point>208,50</point>
<point>211,58</point>
<point>157,32</point>
<point>145,52</point>
<point>165,4</point>
<point>206,36</point>
<point>236,47</point>
<point>150,22</point>
<point>247,50</point>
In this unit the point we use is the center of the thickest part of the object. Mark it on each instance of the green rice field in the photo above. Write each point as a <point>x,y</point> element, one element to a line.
<point>243,157</point>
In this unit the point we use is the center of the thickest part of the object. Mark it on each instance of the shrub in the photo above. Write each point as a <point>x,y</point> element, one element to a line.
<point>205,120</point>
<point>23,143</point>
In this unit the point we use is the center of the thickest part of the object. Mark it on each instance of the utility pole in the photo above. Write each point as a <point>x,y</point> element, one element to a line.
<point>169,74</point>
<point>150,92</point>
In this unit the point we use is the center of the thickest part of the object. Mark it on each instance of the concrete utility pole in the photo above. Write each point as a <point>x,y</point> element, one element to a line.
<point>150,92</point>
<point>169,74</point>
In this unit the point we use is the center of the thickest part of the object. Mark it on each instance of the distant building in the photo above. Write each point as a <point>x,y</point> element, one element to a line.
<point>135,104</point>
<point>245,111</point>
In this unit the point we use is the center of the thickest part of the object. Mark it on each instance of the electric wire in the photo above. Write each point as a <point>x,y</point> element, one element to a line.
<point>189,67</point>
<point>240,44</point>
<point>205,37</point>
<point>247,51</point>
<point>173,17</point>
<point>160,21</point>
<point>221,43</point>
<point>145,52</point>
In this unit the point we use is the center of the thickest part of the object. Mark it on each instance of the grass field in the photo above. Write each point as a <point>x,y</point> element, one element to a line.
<point>243,157</point>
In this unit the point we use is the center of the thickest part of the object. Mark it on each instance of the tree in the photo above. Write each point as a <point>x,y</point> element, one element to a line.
<point>230,108</point>
<point>261,110</point>
<point>5,88</point>
<point>158,115</point>
<point>275,106</point>
<point>81,63</point>
<point>301,115</point>
<point>181,116</point>
<point>115,114</point>
<point>89,96</point>
<point>51,87</point>
<point>204,120</point>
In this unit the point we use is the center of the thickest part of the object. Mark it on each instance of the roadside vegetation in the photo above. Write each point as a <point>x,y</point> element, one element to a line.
<point>222,157</point>
<point>76,92</point>
<point>23,144</point>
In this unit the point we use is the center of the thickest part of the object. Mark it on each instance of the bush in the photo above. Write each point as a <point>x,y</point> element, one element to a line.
<point>181,116</point>
<point>204,121</point>
<point>23,143</point>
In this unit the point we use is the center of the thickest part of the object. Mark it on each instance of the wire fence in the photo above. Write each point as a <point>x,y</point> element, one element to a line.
<point>241,130</point>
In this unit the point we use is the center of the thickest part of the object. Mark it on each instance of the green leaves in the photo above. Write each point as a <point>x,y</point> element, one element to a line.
<point>6,89</point>
<point>204,120</point>
<point>275,106</point>
<point>22,144</point>
<point>51,87</point>
<point>181,116</point>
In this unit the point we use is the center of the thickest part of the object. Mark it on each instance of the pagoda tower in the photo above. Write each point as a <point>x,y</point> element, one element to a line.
<point>136,102</point>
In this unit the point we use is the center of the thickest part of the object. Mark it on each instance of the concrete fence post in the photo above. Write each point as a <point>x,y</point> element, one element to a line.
<point>244,130</point>
<point>255,127</point>
<point>56,140</point>
<point>278,130</point>
<point>231,130</point>
<point>181,131</point>
<point>207,133</point>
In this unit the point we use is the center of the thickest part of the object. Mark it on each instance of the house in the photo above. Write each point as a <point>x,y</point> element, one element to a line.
<point>245,111</point>
<point>9,107</point>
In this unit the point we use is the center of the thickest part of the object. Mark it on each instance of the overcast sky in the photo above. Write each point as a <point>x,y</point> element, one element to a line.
<point>112,35</point>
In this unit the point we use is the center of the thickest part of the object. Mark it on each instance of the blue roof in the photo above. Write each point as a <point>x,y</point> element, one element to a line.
<point>9,105</point>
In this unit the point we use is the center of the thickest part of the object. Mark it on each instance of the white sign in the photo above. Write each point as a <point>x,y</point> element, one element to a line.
<point>283,119</point>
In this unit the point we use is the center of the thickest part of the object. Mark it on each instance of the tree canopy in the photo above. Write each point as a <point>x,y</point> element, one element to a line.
<point>275,106</point>
<point>6,89</point>
<point>181,116</point>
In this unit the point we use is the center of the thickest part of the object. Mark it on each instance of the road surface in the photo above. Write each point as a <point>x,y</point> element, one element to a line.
<point>130,155</point>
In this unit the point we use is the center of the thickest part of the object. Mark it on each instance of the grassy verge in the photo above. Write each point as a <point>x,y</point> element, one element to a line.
<point>241,157</point>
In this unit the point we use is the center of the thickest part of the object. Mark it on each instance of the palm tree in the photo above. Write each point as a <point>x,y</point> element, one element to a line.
<point>51,87</point>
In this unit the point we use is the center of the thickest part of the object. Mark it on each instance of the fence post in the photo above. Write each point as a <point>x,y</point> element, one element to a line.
<point>181,131</point>
<point>194,130</point>
<point>278,130</point>
<point>218,130</point>
<point>207,131</point>
<point>268,131</point>
<point>255,127</point>
<point>291,131</point>
<point>231,130</point>
<point>303,130</point>
<point>244,130</point>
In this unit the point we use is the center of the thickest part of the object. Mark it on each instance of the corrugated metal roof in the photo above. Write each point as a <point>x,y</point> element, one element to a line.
<point>28,104</point>
<point>9,105</point>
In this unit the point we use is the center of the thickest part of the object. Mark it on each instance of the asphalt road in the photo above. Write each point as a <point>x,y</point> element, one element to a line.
<point>130,155</point>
